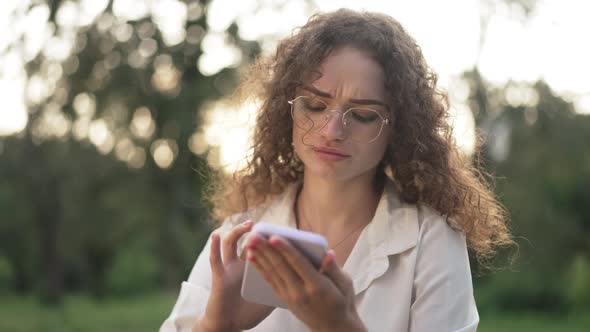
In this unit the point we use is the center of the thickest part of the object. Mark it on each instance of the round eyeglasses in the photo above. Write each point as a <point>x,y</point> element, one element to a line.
<point>361,125</point>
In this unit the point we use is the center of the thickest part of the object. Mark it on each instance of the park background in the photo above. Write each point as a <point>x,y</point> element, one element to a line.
<point>115,117</point>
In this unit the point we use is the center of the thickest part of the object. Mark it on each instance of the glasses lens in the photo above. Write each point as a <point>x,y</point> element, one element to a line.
<point>361,125</point>
<point>308,113</point>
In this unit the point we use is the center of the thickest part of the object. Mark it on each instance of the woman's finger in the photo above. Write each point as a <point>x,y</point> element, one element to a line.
<point>252,240</point>
<point>281,266</point>
<point>215,255</point>
<point>230,242</point>
<point>299,263</point>
<point>264,267</point>
<point>331,269</point>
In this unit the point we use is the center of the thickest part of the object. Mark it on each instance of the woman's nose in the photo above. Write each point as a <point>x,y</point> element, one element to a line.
<point>334,126</point>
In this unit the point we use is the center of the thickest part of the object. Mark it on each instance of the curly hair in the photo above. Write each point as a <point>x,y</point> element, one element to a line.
<point>422,159</point>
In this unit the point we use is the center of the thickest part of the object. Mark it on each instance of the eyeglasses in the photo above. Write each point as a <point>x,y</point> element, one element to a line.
<point>361,125</point>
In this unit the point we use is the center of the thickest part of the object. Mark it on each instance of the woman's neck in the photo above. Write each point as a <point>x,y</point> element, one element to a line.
<point>329,207</point>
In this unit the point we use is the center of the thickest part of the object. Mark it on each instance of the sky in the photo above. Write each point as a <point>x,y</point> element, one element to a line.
<point>549,44</point>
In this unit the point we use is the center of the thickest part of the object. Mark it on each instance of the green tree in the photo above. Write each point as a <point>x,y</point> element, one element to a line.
<point>122,170</point>
<point>537,148</point>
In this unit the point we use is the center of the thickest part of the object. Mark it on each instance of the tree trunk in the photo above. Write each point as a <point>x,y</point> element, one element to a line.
<point>48,220</point>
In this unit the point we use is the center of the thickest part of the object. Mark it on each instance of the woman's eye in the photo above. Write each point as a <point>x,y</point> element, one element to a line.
<point>364,116</point>
<point>315,106</point>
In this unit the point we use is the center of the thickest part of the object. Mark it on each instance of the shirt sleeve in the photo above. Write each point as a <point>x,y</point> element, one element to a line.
<point>194,292</point>
<point>443,291</point>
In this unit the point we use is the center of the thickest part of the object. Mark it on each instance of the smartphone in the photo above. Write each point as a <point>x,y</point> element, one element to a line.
<point>311,245</point>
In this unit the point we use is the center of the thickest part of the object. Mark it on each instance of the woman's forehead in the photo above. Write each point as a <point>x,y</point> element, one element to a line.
<point>352,73</point>
<point>358,98</point>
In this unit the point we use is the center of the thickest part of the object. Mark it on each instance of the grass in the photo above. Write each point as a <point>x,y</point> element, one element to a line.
<point>528,322</point>
<point>82,314</point>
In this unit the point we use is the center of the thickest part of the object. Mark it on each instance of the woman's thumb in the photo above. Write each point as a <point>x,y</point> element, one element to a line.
<point>331,269</point>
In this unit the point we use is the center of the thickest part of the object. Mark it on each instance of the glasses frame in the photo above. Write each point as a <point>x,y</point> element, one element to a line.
<point>384,121</point>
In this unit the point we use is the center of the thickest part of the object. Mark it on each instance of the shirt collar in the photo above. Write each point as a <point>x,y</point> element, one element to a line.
<point>280,211</point>
<point>393,229</point>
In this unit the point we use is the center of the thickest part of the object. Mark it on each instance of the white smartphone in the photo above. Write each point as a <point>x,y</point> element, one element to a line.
<point>311,245</point>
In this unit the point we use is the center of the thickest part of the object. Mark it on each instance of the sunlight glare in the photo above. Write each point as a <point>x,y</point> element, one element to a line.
<point>583,104</point>
<point>229,131</point>
<point>131,10</point>
<point>197,143</point>
<point>142,125</point>
<point>164,152</point>
<point>67,14</point>
<point>170,17</point>
<point>52,123</point>
<point>124,149</point>
<point>98,132</point>
<point>137,158</point>
<point>13,114</point>
<point>89,10</point>
<point>217,54</point>
<point>80,128</point>
<point>85,104</point>
<point>463,128</point>
<point>521,95</point>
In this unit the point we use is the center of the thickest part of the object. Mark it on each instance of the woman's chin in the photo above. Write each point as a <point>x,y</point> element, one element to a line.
<point>338,172</point>
<point>328,171</point>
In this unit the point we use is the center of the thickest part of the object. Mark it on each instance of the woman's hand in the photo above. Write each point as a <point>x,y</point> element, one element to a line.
<point>226,309</point>
<point>323,300</point>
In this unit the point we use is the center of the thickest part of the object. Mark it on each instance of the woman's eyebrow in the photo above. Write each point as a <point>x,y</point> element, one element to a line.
<point>324,94</point>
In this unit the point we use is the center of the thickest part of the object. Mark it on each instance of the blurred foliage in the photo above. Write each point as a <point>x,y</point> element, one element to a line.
<point>579,287</point>
<point>538,148</point>
<point>6,276</point>
<point>72,201</point>
<point>134,272</point>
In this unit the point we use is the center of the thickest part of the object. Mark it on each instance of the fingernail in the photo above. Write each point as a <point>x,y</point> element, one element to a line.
<point>251,257</point>
<point>331,256</point>
<point>275,242</point>
<point>247,223</point>
<point>253,241</point>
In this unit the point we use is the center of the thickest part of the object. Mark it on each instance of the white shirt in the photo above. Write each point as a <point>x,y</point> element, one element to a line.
<point>409,268</point>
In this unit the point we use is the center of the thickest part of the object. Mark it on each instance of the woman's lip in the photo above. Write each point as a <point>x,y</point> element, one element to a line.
<point>331,152</point>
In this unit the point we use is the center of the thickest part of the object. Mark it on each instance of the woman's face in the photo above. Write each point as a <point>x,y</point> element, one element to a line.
<point>350,78</point>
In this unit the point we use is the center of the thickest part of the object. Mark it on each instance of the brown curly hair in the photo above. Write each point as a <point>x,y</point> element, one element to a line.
<point>422,158</point>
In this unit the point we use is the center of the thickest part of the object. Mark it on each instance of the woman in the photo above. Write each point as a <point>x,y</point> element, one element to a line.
<point>352,142</point>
